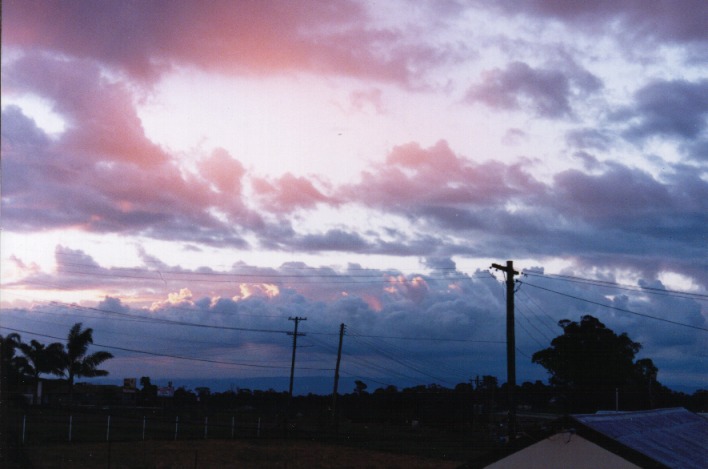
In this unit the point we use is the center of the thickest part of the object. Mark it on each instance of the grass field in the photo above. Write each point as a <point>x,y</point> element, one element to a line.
<point>222,454</point>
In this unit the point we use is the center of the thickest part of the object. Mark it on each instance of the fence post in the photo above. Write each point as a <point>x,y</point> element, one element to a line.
<point>144,423</point>
<point>71,419</point>
<point>24,427</point>
<point>258,429</point>
<point>233,422</point>
<point>206,425</point>
<point>176,425</point>
<point>108,428</point>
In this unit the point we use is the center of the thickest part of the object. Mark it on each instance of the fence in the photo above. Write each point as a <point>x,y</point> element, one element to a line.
<point>43,427</point>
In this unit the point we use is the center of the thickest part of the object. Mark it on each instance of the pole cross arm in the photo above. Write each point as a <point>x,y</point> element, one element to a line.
<point>504,268</point>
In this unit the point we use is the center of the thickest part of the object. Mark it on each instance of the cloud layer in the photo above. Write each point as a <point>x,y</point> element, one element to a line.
<point>572,134</point>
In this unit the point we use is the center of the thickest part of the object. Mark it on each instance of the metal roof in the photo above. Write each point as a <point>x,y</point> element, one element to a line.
<point>676,437</point>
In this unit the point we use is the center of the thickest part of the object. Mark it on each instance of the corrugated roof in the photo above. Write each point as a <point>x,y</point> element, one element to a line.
<point>676,438</point>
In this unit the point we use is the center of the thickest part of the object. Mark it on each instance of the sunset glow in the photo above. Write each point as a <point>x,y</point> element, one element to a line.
<point>223,167</point>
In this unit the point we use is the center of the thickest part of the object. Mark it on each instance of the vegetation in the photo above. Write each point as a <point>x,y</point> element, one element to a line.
<point>39,359</point>
<point>75,361</point>
<point>590,366</point>
<point>587,364</point>
<point>70,361</point>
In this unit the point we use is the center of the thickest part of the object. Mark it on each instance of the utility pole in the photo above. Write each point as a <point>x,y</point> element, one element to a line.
<point>292,365</point>
<point>342,328</point>
<point>510,345</point>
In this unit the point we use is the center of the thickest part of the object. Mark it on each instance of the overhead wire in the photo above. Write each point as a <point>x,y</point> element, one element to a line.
<point>165,355</point>
<point>648,316</point>
<point>427,363</point>
<point>620,286</point>
<point>400,361</point>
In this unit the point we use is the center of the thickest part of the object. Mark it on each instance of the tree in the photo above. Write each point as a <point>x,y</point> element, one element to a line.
<point>76,362</point>
<point>360,387</point>
<point>11,373</point>
<point>589,362</point>
<point>148,393</point>
<point>12,365</point>
<point>39,359</point>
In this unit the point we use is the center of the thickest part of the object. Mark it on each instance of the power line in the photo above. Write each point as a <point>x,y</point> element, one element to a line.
<point>617,308</point>
<point>439,366</point>
<point>427,339</point>
<point>171,321</point>
<point>621,286</point>
<point>541,310</point>
<point>401,362</point>
<point>178,357</point>
<point>138,318</point>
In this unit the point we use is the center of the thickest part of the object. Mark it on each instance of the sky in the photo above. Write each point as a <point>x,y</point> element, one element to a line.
<point>187,177</point>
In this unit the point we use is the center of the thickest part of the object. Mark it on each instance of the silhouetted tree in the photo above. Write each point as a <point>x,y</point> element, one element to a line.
<point>148,393</point>
<point>39,359</point>
<point>12,365</point>
<point>360,387</point>
<point>588,362</point>
<point>76,362</point>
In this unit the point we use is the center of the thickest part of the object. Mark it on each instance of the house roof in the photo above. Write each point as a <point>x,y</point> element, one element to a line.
<point>675,438</point>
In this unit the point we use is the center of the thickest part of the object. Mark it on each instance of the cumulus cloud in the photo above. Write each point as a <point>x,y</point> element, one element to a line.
<point>457,318</point>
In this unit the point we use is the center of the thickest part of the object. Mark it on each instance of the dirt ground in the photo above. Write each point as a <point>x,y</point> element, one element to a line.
<point>221,454</point>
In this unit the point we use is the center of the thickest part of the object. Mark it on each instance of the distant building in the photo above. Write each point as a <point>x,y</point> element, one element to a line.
<point>663,438</point>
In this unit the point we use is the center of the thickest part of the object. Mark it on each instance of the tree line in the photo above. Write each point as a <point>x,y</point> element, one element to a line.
<point>23,361</point>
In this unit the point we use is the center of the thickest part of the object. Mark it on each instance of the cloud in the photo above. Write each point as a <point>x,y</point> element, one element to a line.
<point>457,317</point>
<point>71,180</point>
<point>332,240</point>
<point>367,100</point>
<point>413,176</point>
<point>636,20</point>
<point>675,109</point>
<point>145,40</point>
<point>100,114</point>
<point>288,193</point>
<point>589,139</point>
<point>546,92</point>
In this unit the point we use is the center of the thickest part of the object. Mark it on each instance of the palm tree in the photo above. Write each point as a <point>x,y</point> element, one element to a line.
<point>41,359</point>
<point>12,365</point>
<point>76,363</point>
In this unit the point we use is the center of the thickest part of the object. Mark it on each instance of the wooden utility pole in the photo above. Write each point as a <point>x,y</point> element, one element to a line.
<point>510,345</point>
<point>292,365</point>
<point>342,328</point>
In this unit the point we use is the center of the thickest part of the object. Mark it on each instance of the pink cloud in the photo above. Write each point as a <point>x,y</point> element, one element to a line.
<point>223,171</point>
<point>413,177</point>
<point>367,100</point>
<point>144,39</point>
<point>103,173</point>
<point>288,193</point>
<point>102,119</point>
